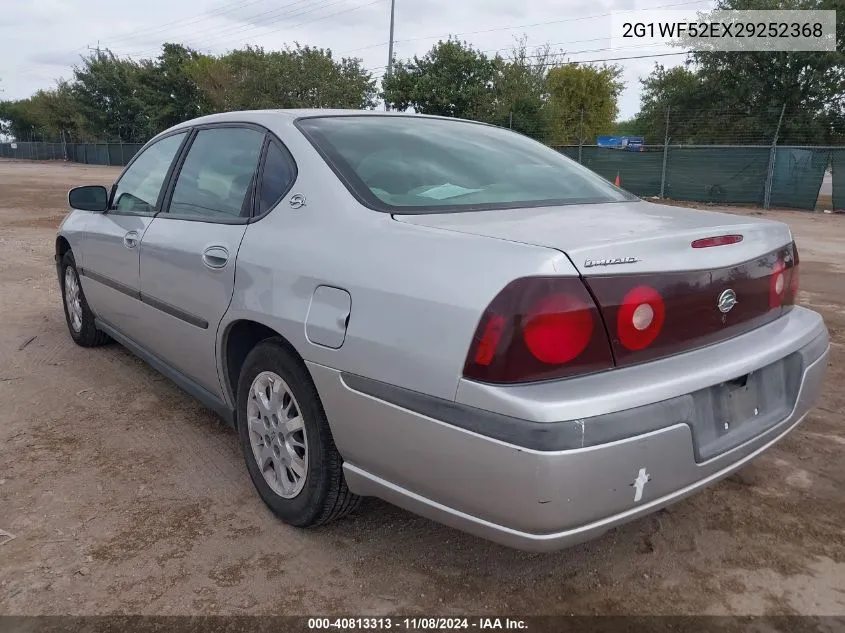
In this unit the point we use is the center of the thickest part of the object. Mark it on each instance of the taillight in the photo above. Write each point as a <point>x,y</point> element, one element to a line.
<point>558,328</point>
<point>538,328</point>
<point>655,315</point>
<point>792,294</point>
<point>640,317</point>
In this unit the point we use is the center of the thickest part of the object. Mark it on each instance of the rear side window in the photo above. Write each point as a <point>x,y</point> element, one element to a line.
<point>218,174</point>
<point>276,178</point>
<point>414,164</point>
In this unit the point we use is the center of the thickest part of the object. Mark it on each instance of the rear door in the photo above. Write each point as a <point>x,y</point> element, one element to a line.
<point>110,273</point>
<point>187,255</point>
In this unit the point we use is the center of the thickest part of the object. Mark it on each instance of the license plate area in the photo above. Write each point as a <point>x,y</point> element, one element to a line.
<point>735,411</point>
<point>739,403</point>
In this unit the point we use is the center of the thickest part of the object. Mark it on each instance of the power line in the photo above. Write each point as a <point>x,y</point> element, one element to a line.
<point>144,33</point>
<point>616,59</point>
<point>272,16</point>
<point>520,26</point>
<point>227,34</point>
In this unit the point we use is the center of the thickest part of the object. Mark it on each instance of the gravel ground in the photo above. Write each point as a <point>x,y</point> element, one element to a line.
<point>126,496</point>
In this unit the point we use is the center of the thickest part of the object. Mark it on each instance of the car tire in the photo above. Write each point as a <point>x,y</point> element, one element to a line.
<point>78,315</point>
<point>276,398</point>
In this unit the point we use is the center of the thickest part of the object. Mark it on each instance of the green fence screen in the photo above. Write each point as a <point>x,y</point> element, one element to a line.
<point>716,174</point>
<point>797,177</point>
<point>639,172</point>
<point>837,159</point>
<point>118,154</point>
<point>720,175</point>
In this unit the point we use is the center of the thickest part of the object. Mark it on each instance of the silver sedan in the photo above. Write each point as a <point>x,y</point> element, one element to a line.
<point>446,315</point>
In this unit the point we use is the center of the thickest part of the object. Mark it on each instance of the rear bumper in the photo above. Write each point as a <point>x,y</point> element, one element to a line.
<point>549,499</point>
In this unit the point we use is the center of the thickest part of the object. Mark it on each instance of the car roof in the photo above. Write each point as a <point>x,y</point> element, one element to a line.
<point>284,117</point>
<point>292,114</point>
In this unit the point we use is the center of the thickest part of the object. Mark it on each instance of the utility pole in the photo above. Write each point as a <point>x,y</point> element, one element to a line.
<point>581,137</point>
<point>390,47</point>
<point>665,156</point>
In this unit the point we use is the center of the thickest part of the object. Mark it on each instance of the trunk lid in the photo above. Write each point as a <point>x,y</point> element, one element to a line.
<point>657,236</point>
<point>656,293</point>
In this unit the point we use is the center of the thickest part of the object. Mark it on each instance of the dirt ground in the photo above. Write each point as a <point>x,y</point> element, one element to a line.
<point>126,496</point>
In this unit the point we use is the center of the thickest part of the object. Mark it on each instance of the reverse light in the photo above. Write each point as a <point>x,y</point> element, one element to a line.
<point>640,317</point>
<point>777,285</point>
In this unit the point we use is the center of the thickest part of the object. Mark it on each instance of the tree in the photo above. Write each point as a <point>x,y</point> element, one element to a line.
<point>452,79</point>
<point>809,84</point>
<point>521,92</point>
<point>108,92</point>
<point>18,119</point>
<point>299,77</point>
<point>737,97</point>
<point>575,89</point>
<point>169,95</point>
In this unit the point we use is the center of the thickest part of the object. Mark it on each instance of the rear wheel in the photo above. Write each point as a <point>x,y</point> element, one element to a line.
<point>78,315</point>
<point>286,441</point>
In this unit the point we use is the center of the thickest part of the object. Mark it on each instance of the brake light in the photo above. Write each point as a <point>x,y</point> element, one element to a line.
<point>640,317</point>
<point>720,240</point>
<point>538,328</point>
<point>558,328</point>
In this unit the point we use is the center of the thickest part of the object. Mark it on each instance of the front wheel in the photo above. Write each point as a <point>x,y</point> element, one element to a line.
<point>286,440</point>
<point>78,315</point>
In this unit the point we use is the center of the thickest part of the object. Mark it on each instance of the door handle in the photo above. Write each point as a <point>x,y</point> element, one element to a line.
<point>215,257</point>
<point>130,240</point>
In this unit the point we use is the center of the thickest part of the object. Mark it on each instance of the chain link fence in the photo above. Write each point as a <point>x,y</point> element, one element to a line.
<point>114,154</point>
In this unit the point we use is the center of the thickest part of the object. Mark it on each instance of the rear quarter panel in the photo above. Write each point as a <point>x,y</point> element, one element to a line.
<point>417,293</point>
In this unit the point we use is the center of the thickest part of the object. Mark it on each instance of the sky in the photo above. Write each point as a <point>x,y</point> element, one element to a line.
<point>43,39</point>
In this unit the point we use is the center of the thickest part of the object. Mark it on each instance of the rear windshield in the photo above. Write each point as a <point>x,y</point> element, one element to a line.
<point>411,164</point>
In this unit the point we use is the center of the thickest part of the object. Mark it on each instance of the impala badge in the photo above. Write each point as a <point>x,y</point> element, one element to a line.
<point>727,300</point>
<point>610,262</point>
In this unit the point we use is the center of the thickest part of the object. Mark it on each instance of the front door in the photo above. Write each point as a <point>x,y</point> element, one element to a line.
<point>188,252</point>
<point>110,273</point>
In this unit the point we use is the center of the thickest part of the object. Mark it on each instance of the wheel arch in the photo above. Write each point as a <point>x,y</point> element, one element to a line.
<point>238,339</point>
<point>62,247</point>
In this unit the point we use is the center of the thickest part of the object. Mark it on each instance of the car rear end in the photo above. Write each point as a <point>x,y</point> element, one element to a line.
<point>667,353</point>
<point>587,401</point>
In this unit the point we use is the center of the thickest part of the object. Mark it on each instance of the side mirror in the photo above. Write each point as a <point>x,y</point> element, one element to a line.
<point>89,198</point>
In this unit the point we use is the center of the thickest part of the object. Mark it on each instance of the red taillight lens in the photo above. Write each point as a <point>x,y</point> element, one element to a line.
<point>486,348</point>
<point>539,328</point>
<point>558,328</point>
<point>777,285</point>
<point>640,317</point>
<point>654,315</point>
<point>792,295</point>
<point>720,240</point>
